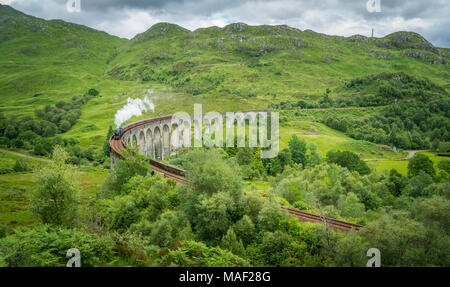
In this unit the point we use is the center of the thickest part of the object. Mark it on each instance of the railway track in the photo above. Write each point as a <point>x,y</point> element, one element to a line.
<point>178,175</point>
<point>314,218</point>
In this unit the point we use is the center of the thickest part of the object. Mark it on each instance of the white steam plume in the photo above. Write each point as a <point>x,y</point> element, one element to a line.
<point>134,108</point>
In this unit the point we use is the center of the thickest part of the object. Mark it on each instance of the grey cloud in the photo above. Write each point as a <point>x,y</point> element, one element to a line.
<point>339,17</point>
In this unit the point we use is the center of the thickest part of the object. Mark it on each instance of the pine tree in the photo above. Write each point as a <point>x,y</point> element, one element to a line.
<point>232,243</point>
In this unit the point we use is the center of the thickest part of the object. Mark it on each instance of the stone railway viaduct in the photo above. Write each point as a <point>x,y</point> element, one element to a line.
<point>159,137</point>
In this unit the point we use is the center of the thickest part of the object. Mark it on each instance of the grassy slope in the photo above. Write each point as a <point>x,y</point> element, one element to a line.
<point>233,68</point>
<point>260,63</point>
<point>53,58</point>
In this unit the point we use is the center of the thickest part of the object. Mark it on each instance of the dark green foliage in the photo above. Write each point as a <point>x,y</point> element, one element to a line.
<point>418,184</point>
<point>209,174</point>
<point>277,165</point>
<point>140,203</point>
<point>402,125</point>
<point>45,246</point>
<point>232,243</point>
<point>349,160</point>
<point>407,242</point>
<point>21,165</point>
<point>213,199</point>
<point>396,182</point>
<point>55,200</point>
<point>34,133</point>
<point>245,230</point>
<point>444,165</point>
<point>132,164</point>
<point>298,150</point>
<point>274,246</point>
<point>197,254</point>
<point>351,251</point>
<point>106,147</point>
<point>271,216</point>
<point>421,162</point>
<point>245,156</point>
<point>93,92</point>
<point>171,226</point>
<point>64,114</point>
<point>386,88</point>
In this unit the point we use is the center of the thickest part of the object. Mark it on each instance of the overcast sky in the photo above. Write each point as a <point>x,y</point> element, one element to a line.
<point>123,18</point>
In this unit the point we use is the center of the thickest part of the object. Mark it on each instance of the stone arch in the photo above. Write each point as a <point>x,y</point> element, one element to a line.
<point>175,137</point>
<point>149,140</point>
<point>157,142</point>
<point>134,140</point>
<point>166,140</point>
<point>181,130</point>
<point>142,147</point>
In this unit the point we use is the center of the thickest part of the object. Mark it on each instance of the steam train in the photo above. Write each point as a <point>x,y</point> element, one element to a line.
<point>118,134</point>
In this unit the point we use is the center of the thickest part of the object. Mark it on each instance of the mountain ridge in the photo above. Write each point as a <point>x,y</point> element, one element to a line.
<point>237,67</point>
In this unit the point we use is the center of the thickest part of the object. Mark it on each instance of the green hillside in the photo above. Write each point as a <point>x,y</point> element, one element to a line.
<point>258,63</point>
<point>237,67</point>
<point>45,61</point>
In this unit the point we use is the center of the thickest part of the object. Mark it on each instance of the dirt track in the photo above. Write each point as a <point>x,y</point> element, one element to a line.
<point>26,156</point>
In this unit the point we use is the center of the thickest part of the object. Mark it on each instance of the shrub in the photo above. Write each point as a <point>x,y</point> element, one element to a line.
<point>21,165</point>
<point>197,254</point>
<point>349,160</point>
<point>46,246</point>
<point>421,162</point>
<point>55,199</point>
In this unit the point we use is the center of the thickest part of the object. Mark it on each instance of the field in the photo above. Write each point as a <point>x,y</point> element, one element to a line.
<point>15,189</point>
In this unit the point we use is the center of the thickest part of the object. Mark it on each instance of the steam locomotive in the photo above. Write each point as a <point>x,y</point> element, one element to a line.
<point>118,134</point>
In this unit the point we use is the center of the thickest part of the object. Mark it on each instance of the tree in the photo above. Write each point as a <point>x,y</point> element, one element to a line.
<point>232,243</point>
<point>349,160</point>
<point>93,92</point>
<point>106,148</point>
<point>298,150</point>
<point>170,226</point>
<point>212,219</point>
<point>21,165</point>
<point>443,147</point>
<point>48,129</point>
<point>132,164</point>
<point>444,165</point>
<point>270,216</point>
<point>244,156</point>
<point>418,184</point>
<point>55,199</point>
<point>396,182</point>
<point>350,251</point>
<point>258,163</point>
<point>275,247</point>
<point>11,132</point>
<point>209,173</point>
<point>421,162</point>
<point>351,206</point>
<point>64,126</point>
<point>285,157</point>
<point>402,241</point>
<point>245,230</point>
